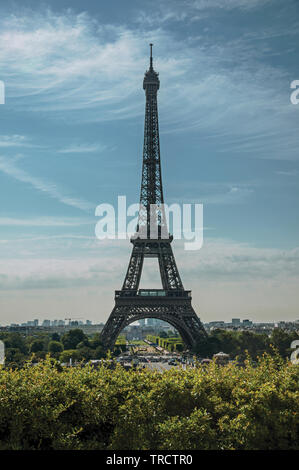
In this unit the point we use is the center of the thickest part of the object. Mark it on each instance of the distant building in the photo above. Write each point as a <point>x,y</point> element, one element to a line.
<point>133,332</point>
<point>216,324</point>
<point>46,323</point>
<point>236,321</point>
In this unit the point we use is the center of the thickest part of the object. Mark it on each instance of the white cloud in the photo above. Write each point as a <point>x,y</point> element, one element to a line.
<point>15,141</point>
<point>83,148</point>
<point>228,4</point>
<point>218,260</point>
<point>287,173</point>
<point>227,278</point>
<point>9,167</point>
<point>44,222</point>
<point>202,192</point>
<point>64,62</point>
<point>227,260</point>
<point>223,90</point>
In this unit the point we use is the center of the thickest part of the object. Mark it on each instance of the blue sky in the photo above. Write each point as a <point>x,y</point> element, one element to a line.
<point>71,138</point>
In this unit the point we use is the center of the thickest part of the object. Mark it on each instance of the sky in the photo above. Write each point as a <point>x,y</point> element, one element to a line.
<point>71,137</point>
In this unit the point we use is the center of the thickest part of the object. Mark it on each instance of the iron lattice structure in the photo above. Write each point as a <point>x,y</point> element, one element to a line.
<point>171,303</point>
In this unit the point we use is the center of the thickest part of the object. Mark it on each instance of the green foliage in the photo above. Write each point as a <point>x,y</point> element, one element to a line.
<point>282,341</point>
<point>55,347</point>
<point>163,334</point>
<point>14,357</point>
<point>169,343</point>
<point>85,353</point>
<point>121,339</point>
<point>95,341</point>
<point>252,407</point>
<point>236,343</point>
<point>55,337</point>
<point>68,354</point>
<point>99,352</point>
<point>16,341</point>
<point>120,345</point>
<point>37,346</point>
<point>72,338</point>
<point>20,347</point>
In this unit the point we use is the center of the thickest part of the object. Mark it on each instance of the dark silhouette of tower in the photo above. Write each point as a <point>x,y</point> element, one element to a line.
<point>172,303</point>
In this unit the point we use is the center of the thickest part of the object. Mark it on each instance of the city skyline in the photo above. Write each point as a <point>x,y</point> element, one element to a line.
<point>71,138</point>
<point>147,323</point>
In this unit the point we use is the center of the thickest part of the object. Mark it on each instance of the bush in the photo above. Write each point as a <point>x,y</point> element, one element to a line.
<point>72,338</point>
<point>68,354</point>
<point>37,345</point>
<point>55,347</point>
<point>49,407</point>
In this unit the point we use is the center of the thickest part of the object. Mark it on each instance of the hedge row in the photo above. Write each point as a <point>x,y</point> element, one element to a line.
<point>171,344</point>
<point>50,407</point>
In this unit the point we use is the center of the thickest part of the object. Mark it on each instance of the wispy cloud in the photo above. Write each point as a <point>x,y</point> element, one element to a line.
<point>45,221</point>
<point>9,167</point>
<point>15,141</point>
<point>228,278</point>
<point>228,4</point>
<point>68,62</point>
<point>83,148</point>
<point>213,192</point>
<point>227,260</point>
<point>287,172</point>
<point>64,62</point>
<point>218,260</point>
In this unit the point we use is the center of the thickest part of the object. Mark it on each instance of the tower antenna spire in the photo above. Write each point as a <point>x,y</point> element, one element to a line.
<point>151,56</point>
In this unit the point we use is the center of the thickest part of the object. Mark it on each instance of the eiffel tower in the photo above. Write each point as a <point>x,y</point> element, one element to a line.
<point>171,304</point>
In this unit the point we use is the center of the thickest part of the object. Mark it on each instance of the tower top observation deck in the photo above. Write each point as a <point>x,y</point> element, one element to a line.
<point>151,82</point>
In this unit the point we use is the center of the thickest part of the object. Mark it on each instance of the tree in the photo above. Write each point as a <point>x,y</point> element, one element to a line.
<point>36,346</point>
<point>282,341</point>
<point>15,340</point>
<point>68,354</point>
<point>83,344</point>
<point>163,334</point>
<point>55,347</point>
<point>207,346</point>
<point>14,355</point>
<point>55,337</point>
<point>72,338</point>
<point>254,343</point>
<point>85,352</point>
<point>99,352</point>
<point>95,341</point>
